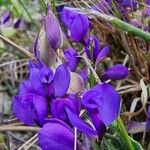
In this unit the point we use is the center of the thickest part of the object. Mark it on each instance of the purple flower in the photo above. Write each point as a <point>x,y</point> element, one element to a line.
<point>20,24</point>
<point>31,109</point>
<point>56,135</point>
<point>117,72</point>
<point>31,105</point>
<point>53,30</point>
<point>103,105</point>
<point>84,75</point>
<point>72,58</point>
<point>58,107</point>
<point>43,80</point>
<point>76,22</point>
<point>61,81</point>
<point>93,49</point>
<point>148,119</point>
<point>67,109</point>
<point>6,18</point>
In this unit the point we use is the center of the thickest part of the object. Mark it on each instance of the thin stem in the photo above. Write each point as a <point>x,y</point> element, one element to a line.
<point>31,144</point>
<point>18,128</point>
<point>92,70</point>
<point>30,140</point>
<point>29,54</point>
<point>124,133</point>
<point>75,138</point>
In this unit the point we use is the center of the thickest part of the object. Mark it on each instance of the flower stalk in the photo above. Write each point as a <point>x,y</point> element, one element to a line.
<point>124,133</point>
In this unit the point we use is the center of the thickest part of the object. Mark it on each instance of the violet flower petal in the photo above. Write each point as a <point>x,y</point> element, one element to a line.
<point>61,81</point>
<point>36,64</point>
<point>36,48</point>
<point>84,75</point>
<point>36,82</point>
<point>117,72</point>
<point>77,122</point>
<point>97,48</point>
<point>77,23</point>
<point>99,125</point>
<point>72,58</point>
<point>87,47</point>
<point>105,100</point>
<point>23,109</point>
<point>6,17</point>
<point>17,23</point>
<point>93,42</point>
<point>68,15</point>
<point>51,136</point>
<point>28,110</point>
<point>46,75</point>
<point>102,54</point>
<point>58,107</point>
<point>79,27</point>
<point>53,30</point>
<point>41,107</point>
<point>20,24</point>
<point>148,119</point>
<point>26,88</point>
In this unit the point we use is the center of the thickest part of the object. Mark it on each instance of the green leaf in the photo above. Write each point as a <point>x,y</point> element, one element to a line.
<point>136,145</point>
<point>110,146</point>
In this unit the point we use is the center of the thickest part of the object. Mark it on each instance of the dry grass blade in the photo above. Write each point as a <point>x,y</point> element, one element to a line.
<point>31,144</point>
<point>75,138</point>
<point>29,141</point>
<point>5,128</point>
<point>27,53</point>
<point>91,68</point>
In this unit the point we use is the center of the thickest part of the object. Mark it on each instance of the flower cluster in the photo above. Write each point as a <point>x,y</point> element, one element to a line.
<point>52,97</point>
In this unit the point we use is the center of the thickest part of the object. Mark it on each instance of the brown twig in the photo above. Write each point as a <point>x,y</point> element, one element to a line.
<point>18,128</point>
<point>27,142</point>
<point>27,53</point>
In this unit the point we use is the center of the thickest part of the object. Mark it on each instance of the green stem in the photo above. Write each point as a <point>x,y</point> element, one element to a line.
<point>131,29</point>
<point>124,133</point>
<point>122,25</point>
